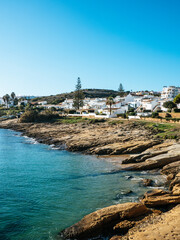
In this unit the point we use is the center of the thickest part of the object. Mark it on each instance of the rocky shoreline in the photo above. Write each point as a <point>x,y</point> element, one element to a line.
<point>157,211</point>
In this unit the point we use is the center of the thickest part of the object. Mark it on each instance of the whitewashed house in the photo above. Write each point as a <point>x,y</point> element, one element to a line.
<point>148,104</point>
<point>67,104</point>
<point>25,102</point>
<point>42,103</point>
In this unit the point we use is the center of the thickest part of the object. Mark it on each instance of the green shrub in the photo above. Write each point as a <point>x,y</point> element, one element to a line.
<point>72,111</point>
<point>132,114</point>
<point>168,115</point>
<point>95,120</point>
<point>29,116</point>
<point>176,110</point>
<point>34,116</point>
<point>155,115</point>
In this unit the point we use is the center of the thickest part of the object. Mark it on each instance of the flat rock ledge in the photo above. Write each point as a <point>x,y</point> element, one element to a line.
<point>116,221</point>
<point>103,220</point>
<point>154,160</point>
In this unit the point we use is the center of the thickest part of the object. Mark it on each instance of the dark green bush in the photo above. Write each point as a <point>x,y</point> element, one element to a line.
<point>176,110</point>
<point>168,115</point>
<point>155,115</point>
<point>34,116</point>
<point>132,114</point>
<point>95,120</point>
<point>72,111</point>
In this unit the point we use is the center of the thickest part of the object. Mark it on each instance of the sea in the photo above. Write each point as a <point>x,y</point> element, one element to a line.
<point>44,190</point>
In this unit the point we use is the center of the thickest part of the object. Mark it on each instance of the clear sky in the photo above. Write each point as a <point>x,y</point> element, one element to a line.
<point>45,45</point>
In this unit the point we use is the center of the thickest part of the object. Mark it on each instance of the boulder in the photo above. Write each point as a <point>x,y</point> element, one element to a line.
<point>147,182</point>
<point>103,220</point>
<point>172,168</point>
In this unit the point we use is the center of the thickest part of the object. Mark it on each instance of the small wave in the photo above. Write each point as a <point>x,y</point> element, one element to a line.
<point>59,147</point>
<point>156,187</point>
<point>137,179</point>
<point>30,140</point>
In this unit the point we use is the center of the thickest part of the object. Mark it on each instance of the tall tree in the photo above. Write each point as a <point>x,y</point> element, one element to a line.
<point>121,90</point>
<point>78,95</point>
<point>13,95</point>
<point>6,99</point>
<point>110,102</point>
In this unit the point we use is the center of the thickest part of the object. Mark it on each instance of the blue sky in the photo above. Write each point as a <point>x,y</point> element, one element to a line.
<point>46,44</point>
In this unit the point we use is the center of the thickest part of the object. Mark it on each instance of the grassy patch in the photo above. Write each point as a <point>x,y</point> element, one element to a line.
<point>73,120</point>
<point>115,122</point>
<point>163,130</point>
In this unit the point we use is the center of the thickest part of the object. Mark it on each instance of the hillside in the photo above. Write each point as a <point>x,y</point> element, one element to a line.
<point>91,93</point>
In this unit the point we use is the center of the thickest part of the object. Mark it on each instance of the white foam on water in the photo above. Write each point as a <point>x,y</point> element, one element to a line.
<point>30,140</point>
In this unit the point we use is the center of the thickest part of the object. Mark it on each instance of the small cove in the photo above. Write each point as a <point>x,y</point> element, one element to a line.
<point>44,190</point>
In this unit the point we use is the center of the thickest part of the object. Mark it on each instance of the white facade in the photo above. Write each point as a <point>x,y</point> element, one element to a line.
<point>94,103</point>
<point>170,92</point>
<point>42,103</point>
<point>148,104</point>
<point>67,104</point>
<point>129,98</point>
<point>25,102</point>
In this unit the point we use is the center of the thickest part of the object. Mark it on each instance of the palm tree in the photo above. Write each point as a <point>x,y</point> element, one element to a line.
<point>6,99</point>
<point>13,95</point>
<point>110,102</point>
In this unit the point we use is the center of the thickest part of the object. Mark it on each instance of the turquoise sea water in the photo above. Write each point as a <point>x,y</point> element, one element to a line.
<point>43,190</point>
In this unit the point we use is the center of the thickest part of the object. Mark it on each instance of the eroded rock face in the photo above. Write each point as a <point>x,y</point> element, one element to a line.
<point>175,184</point>
<point>155,162</point>
<point>160,198</point>
<point>101,139</point>
<point>123,226</point>
<point>102,220</point>
<point>164,226</point>
<point>141,157</point>
<point>125,148</point>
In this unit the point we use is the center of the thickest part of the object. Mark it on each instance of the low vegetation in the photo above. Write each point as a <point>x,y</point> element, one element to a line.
<point>35,116</point>
<point>163,130</point>
<point>53,117</point>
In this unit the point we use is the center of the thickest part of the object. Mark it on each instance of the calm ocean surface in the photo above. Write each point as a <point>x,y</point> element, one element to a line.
<point>43,190</point>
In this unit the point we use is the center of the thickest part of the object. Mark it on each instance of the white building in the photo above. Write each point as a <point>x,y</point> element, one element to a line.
<point>67,104</point>
<point>148,104</point>
<point>42,103</point>
<point>94,103</point>
<point>170,92</point>
<point>24,102</point>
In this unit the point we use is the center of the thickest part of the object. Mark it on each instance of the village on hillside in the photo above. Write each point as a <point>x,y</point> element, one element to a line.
<point>132,104</point>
